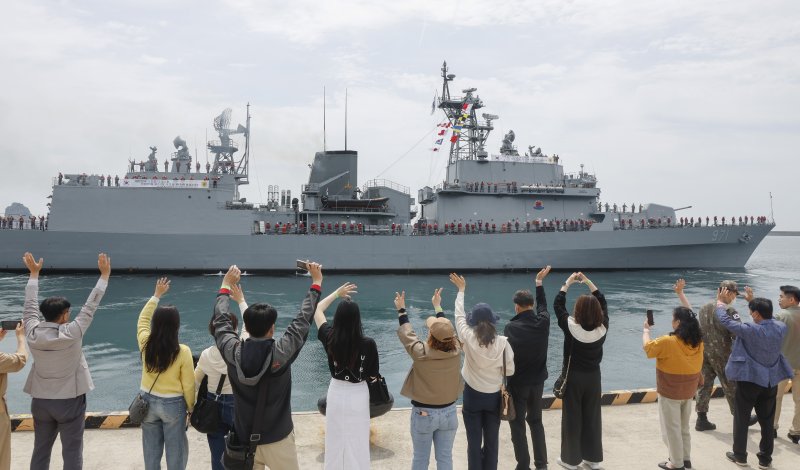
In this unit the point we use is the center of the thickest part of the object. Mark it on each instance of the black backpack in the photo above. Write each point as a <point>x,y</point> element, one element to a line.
<point>207,414</point>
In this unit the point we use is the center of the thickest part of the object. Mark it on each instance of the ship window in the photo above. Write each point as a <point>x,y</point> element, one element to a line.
<point>209,197</point>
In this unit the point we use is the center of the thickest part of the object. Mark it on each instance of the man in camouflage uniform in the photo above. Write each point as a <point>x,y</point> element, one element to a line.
<point>717,342</point>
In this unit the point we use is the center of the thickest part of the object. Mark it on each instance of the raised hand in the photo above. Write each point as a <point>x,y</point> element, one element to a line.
<point>436,300</point>
<point>346,290</point>
<point>587,281</point>
<point>104,264</point>
<point>572,279</point>
<point>20,332</point>
<point>724,296</point>
<point>237,294</point>
<point>678,286</point>
<point>748,293</point>
<point>232,276</point>
<point>162,286</point>
<point>458,281</point>
<point>33,266</point>
<point>315,269</point>
<point>400,300</point>
<point>542,274</point>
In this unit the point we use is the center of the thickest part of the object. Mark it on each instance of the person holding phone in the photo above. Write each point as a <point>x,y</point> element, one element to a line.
<point>585,332</point>
<point>679,360</point>
<point>9,363</point>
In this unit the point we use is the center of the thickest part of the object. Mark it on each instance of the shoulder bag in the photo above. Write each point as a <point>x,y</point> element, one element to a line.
<point>560,385</point>
<point>507,412</point>
<point>207,414</point>
<point>240,455</point>
<point>138,407</point>
<point>378,391</point>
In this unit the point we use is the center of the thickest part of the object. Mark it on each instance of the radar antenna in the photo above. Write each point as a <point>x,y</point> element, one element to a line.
<point>225,162</point>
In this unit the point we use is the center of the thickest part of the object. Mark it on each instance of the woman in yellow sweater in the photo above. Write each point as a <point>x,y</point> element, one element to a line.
<point>679,359</point>
<point>167,383</point>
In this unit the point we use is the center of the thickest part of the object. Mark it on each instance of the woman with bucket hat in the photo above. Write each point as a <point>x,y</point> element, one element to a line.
<point>486,355</point>
<point>433,384</point>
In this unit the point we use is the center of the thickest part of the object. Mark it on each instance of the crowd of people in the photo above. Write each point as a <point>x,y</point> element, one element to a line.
<point>21,222</point>
<point>501,376</point>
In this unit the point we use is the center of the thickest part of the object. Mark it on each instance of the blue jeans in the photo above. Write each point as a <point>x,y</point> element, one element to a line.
<point>481,412</point>
<point>216,440</point>
<point>164,426</point>
<point>439,426</point>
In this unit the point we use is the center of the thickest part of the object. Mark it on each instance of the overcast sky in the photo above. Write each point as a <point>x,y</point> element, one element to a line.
<point>679,103</point>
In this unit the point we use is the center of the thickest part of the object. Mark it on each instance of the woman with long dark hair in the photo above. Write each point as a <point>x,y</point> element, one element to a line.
<point>352,360</point>
<point>485,352</point>
<point>212,364</point>
<point>679,360</point>
<point>584,335</point>
<point>433,384</point>
<point>167,383</point>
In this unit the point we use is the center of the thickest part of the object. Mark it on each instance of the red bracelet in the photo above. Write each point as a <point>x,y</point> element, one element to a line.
<point>316,287</point>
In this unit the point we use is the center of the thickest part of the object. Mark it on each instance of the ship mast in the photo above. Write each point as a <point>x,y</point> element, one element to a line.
<point>468,138</point>
<point>225,162</point>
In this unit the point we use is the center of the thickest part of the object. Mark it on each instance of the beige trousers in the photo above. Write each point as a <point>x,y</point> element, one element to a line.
<point>674,416</point>
<point>278,455</point>
<point>5,437</point>
<point>795,428</point>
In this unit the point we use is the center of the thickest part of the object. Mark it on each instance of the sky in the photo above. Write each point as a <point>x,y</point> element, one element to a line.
<point>681,103</point>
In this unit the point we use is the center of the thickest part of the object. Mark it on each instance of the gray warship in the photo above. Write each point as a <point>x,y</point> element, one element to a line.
<point>493,212</point>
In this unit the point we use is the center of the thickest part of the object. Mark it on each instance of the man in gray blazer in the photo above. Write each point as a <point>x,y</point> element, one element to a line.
<point>59,377</point>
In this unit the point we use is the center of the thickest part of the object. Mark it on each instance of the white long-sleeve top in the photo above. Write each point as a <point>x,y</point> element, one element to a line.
<point>212,364</point>
<point>483,366</point>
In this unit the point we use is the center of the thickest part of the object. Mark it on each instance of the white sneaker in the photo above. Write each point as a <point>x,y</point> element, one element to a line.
<point>566,465</point>
<point>592,465</point>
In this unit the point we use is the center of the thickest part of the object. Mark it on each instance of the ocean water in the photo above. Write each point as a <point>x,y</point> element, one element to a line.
<point>110,344</point>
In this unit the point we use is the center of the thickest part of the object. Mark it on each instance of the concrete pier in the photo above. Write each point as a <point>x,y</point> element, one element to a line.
<point>632,441</point>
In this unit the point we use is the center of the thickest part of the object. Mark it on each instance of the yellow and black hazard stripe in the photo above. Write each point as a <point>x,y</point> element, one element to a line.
<point>119,420</point>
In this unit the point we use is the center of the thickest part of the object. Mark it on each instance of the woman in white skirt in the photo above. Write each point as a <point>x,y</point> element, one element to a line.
<point>352,360</point>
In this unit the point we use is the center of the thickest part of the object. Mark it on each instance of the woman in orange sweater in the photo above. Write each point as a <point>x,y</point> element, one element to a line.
<point>679,358</point>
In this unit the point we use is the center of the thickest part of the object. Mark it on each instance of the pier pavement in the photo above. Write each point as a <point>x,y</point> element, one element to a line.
<point>632,441</point>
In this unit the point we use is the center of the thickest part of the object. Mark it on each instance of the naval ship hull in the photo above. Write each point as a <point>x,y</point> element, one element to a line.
<point>663,248</point>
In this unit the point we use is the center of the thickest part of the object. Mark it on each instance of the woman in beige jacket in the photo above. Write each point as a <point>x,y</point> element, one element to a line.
<point>433,384</point>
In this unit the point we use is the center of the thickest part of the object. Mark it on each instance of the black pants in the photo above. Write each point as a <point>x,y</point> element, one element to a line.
<point>749,396</point>
<point>581,422</point>
<point>58,416</point>
<point>528,405</point>
<point>481,412</point>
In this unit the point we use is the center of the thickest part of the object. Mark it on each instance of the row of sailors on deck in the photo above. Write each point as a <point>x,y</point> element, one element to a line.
<point>21,222</point>
<point>492,187</point>
<point>614,208</point>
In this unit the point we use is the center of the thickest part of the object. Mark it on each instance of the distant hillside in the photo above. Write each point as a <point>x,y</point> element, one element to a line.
<point>17,209</point>
<point>784,234</point>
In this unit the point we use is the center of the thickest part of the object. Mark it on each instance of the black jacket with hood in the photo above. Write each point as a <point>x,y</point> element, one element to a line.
<point>251,359</point>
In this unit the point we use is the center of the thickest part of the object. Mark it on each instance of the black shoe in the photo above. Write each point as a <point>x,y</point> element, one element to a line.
<point>795,438</point>
<point>764,465</point>
<point>687,464</point>
<point>703,424</point>
<point>753,420</point>
<point>733,458</point>
<point>774,433</point>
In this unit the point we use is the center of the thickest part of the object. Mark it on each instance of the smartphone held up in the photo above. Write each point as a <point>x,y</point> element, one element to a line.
<point>650,320</point>
<point>10,325</point>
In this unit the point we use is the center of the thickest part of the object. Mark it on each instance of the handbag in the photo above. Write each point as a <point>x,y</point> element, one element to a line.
<point>507,411</point>
<point>139,406</point>
<point>560,385</point>
<point>207,414</point>
<point>378,391</point>
<point>240,455</point>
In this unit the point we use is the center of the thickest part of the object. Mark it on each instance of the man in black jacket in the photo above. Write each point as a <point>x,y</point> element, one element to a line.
<point>528,333</point>
<point>259,356</point>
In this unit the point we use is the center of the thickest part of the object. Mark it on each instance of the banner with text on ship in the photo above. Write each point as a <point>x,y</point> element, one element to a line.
<point>169,184</point>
